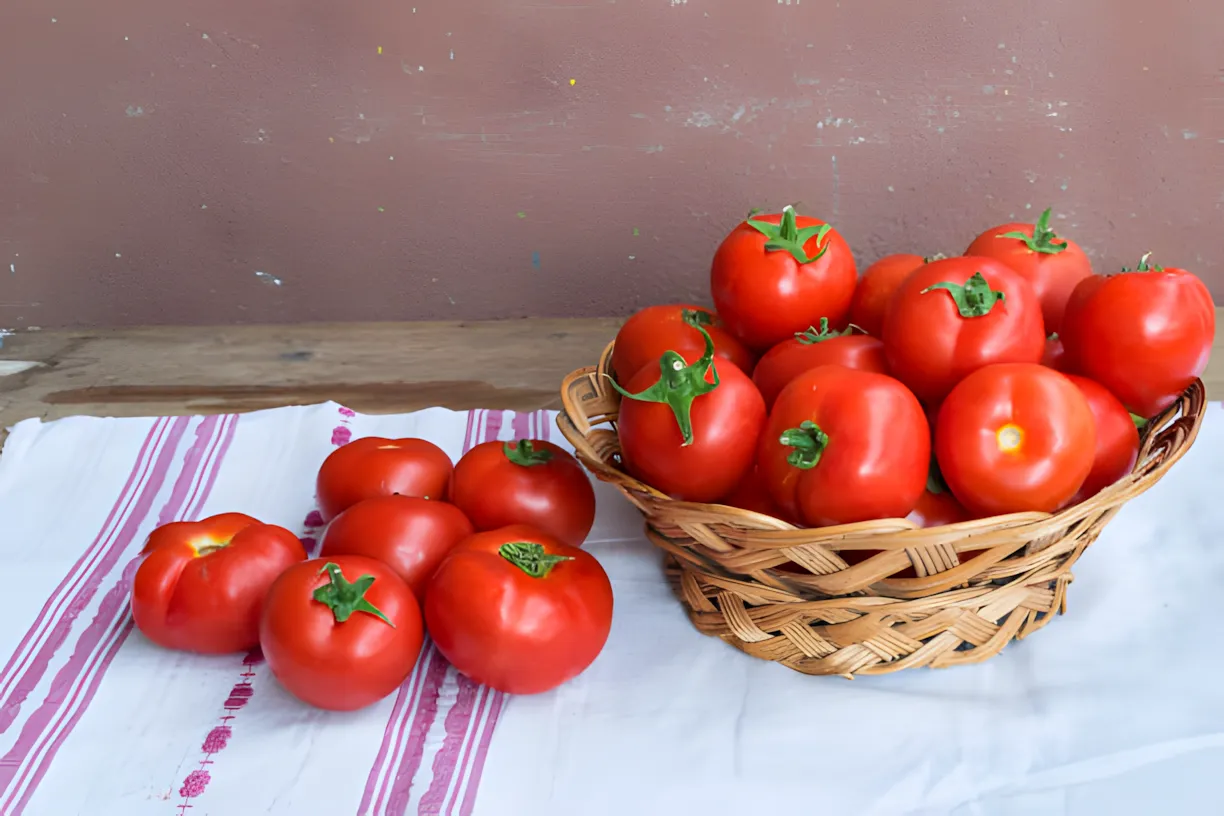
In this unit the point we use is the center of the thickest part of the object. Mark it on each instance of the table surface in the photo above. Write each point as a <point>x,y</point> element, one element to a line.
<point>369,367</point>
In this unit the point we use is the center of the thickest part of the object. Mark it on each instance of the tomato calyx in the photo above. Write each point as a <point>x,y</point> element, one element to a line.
<point>1139,421</point>
<point>812,336</point>
<point>1144,266</point>
<point>524,454</point>
<point>938,256</point>
<point>680,384</point>
<point>1043,239</point>
<point>974,299</point>
<point>531,558</point>
<point>787,237</point>
<point>809,443</point>
<point>698,317</point>
<point>344,597</point>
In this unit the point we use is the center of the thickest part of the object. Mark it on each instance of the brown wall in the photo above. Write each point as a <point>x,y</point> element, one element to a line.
<point>236,161</point>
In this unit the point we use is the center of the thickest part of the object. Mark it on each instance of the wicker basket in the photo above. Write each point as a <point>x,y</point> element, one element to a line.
<point>785,594</point>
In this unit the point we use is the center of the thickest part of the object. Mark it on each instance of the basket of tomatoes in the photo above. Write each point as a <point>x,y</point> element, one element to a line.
<point>854,476</point>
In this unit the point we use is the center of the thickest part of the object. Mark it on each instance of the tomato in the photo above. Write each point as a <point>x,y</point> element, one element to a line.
<point>843,446</point>
<point>812,348</point>
<point>519,611</point>
<point>775,275</point>
<point>1052,265</point>
<point>1014,437</point>
<point>691,430</point>
<point>525,482</point>
<point>952,317</point>
<point>341,633</point>
<point>937,508</point>
<point>752,494</point>
<point>374,466</point>
<point>655,329</point>
<point>409,534</point>
<point>201,585</point>
<point>1055,356</point>
<point>1117,439</point>
<point>1145,335</point>
<point>876,288</point>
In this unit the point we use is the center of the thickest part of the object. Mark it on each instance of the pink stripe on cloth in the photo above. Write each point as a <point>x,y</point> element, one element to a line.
<point>54,606</point>
<point>466,707</point>
<point>86,582</point>
<point>78,679</point>
<point>422,683</point>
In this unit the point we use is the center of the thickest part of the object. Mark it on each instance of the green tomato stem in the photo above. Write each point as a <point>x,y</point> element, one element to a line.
<point>530,557</point>
<point>1139,421</point>
<point>787,237</point>
<point>524,454</point>
<point>1043,239</point>
<point>344,598</point>
<point>809,443</point>
<point>812,336</point>
<point>974,299</point>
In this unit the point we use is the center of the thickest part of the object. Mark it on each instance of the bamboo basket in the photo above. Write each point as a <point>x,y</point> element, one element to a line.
<point>785,594</point>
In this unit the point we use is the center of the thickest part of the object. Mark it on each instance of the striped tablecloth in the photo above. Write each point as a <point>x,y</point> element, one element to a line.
<point>1116,708</point>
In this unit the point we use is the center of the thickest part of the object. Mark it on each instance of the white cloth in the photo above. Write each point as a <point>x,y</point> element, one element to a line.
<point>1113,708</point>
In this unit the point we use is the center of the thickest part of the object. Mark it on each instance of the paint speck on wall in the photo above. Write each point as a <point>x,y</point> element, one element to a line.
<point>521,214</point>
<point>118,255</point>
<point>652,149</point>
<point>535,260</point>
<point>988,89</point>
<point>12,269</point>
<point>633,257</point>
<point>268,278</point>
<point>635,231</point>
<point>836,185</point>
<point>1189,134</point>
<point>380,50</point>
<point>452,53</point>
<point>134,111</point>
<point>573,81</point>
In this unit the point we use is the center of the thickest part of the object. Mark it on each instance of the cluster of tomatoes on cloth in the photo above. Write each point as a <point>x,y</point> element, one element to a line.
<point>1009,379</point>
<point>484,554</point>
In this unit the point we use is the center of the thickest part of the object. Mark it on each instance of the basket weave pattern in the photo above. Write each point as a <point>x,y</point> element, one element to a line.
<point>786,594</point>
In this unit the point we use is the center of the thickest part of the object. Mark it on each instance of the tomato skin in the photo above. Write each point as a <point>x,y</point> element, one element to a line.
<point>1144,335</point>
<point>1117,439</point>
<point>752,494</point>
<point>511,631</point>
<point>876,288</point>
<point>340,665</point>
<point>202,584</point>
<point>375,466</point>
<point>792,357</point>
<point>877,455</point>
<point>1052,439</point>
<point>653,330</point>
<point>726,424</point>
<point>1055,355</point>
<point>938,509</point>
<point>410,534</point>
<point>765,296</point>
<point>931,347</point>
<point>1053,275</point>
<point>495,487</point>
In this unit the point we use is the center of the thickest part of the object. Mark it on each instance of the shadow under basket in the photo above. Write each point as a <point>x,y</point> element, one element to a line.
<point>938,597</point>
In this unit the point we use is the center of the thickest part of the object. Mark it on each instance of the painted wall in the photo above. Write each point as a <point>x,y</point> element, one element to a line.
<point>224,161</point>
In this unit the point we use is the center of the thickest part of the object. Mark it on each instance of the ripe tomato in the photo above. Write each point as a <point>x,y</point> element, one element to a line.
<point>952,317</point>
<point>775,275</point>
<point>655,329</point>
<point>1055,356</point>
<point>1117,439</point>
<point>410,534</point>
<point>876,288</point>
<point>374,466</point>
<point>1013,437</point>
<point>525,482</point>
<point>937,507</point>
<point>1145,335</point>
<point>843,446</point>
<point>517,610</point>
<point>202,584</point>
<point>812,348</point>
<point>690,431</point>
<point>1052,265</point>
<point>341,633</point>
<point>752,494</point>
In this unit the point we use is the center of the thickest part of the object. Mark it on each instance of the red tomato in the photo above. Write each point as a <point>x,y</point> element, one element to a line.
<point>408,533</point>
<point>1014,437</point>
<point>876,288</point>
<point>812,348</point>
<point>935,509</point>
<point>843,446</point>
<point>751,494</point>
<point>525,482</point>
<point>1052,265</point>
<point>202,584</point>
<point>692,432</point>
<point>1145,335</point>
<point>341,633</point>
<point>656,329</point>
<point>952,317</point>
<point>775,275</point>
<point>374,466</point>
<point>1117,439</point>
<point>1055,356</point>
<point>517,610</point>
